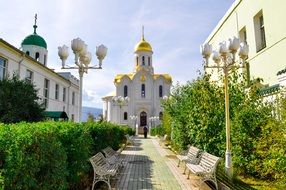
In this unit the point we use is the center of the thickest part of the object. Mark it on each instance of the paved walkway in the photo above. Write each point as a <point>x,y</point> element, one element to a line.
<point>149,166</point>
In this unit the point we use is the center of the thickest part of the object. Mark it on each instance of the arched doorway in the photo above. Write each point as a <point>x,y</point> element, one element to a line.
<point>143,122</point>
<point>143,118</point>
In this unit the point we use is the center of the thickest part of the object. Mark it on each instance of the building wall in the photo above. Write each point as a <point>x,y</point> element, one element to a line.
<point>267,62</point>
<point>19,63</point>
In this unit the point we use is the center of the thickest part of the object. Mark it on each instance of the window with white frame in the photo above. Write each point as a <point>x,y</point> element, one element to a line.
<point>160,91</point>
<point>143,91</point>
<point>37,56</point>
<point>143,60</point>
<point>46,92</point>
<point>125,116</point>
<point>242,35</point>
<point>73,98</point>
<point>259,31</point>
<point>29,76</point>
<point>137,61</point>
<point>64,94</point>
<point>57,91</point>
<point>3,68</point>
<point>45,60</point>
<point>125,91</point>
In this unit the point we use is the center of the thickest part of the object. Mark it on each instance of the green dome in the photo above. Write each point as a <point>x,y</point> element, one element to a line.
<point>34,39</point>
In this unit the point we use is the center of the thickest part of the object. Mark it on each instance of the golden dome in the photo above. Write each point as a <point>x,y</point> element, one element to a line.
<point>143,46</point>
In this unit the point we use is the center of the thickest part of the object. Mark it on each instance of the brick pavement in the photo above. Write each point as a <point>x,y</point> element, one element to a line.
<point>147,165</point>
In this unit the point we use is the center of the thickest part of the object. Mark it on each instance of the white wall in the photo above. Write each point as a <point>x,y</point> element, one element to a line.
<point>267,62</point>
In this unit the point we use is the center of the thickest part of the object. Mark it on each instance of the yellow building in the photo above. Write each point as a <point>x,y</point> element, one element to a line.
<point>261,24</point>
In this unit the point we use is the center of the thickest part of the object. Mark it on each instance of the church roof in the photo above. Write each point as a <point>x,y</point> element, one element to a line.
<point>118,77</point>
<point>143,46</point>
<point>34,39</point>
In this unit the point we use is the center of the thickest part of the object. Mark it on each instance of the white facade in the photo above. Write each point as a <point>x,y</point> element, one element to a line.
<point>261,24</point>
<point>143,88</point>
<point>58,92</point>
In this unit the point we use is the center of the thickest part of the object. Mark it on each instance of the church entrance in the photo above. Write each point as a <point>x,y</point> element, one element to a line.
<point>143,122</point>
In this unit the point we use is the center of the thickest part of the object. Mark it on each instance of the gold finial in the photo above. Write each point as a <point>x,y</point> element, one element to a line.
<point>35,25</point>
<point>143,32</point>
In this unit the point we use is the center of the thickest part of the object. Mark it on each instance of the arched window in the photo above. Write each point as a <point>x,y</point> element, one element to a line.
<point>137,60</point>
<point>125,116</point>
<point>143,91</point>
<point>143,60</point>
<point>45,59</point>
<point>160,91</point>
<point>27,52</point>
<point>125,93</point>
<point>37,57</point>
<point>161,115</point>
<point>149,61</point>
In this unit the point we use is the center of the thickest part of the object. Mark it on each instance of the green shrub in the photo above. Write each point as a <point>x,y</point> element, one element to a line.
<point>158,130</point>
<point>105,134</point>
<point>52,155</point>
<point>77,143</point>
<point>1,181</point>
<point>35,158</point>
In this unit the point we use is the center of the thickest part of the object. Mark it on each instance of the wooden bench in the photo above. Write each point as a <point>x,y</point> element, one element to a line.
<point>129,140</point>
<point>112,156</point>
<point>192,156</point>
<point>205,168</point>
<point>102,170</point>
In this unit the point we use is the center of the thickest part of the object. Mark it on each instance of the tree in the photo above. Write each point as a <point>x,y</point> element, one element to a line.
<point>90,117</point>
<point>19,101</point>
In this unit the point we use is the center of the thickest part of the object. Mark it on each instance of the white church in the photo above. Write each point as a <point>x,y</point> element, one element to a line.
<point>138,95</point>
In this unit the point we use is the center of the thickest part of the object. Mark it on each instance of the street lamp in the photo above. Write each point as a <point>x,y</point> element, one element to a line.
<point>134,118</point>
<point>120,101</point>
<point>225,60</point>
<point>153,120</point>
<point>82,61</point>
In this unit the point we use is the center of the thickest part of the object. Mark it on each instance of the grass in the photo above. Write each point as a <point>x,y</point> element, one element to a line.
<point>245,183</point>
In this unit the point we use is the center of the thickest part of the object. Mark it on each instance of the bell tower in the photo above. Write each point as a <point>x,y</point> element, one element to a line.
<point>35,46</point>
<point>143,55</point>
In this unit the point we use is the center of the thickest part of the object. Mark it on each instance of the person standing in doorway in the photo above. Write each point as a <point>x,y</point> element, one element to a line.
<point>145,131</point>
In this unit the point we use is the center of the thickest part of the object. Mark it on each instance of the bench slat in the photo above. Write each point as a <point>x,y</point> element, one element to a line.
<point>102,169</point>
<point>206,167</point>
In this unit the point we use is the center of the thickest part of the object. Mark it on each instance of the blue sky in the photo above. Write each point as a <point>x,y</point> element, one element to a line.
<point>174,28</point>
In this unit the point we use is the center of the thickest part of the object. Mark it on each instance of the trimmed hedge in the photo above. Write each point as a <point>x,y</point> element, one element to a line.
<point>53,155</point>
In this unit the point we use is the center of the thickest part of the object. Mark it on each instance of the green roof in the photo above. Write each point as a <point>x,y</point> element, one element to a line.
<point>56,114</point>
<point>269,90</point>
<point>35,39</point>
